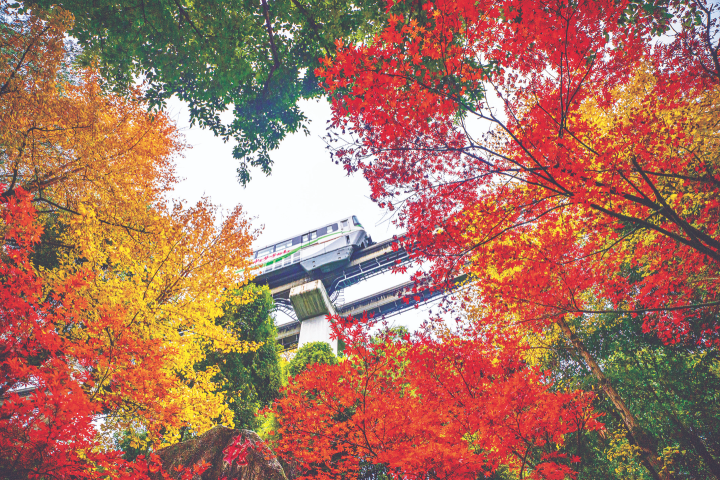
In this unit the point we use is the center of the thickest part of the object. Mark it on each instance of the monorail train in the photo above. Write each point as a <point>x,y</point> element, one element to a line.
<point>325,248</point>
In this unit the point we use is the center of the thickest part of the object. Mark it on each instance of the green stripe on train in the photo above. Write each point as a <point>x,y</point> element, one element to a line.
<point>298,248</point>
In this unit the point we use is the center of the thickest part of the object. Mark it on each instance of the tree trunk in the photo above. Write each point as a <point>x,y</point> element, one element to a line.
<point>644,441</point>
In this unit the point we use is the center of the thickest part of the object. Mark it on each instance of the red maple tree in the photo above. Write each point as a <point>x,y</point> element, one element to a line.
<point>45,417</point>
<point>413,100</point>
<point>47,401</point>
<point>455,407</point>
<point>562,154</point>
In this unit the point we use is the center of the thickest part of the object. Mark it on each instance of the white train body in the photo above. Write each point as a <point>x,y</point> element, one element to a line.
<point>325,248</point>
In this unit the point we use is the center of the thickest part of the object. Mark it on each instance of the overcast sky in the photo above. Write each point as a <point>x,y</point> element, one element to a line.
<point>305,190</point>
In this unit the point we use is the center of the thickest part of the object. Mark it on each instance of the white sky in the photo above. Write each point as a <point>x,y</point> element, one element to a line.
<point>305,190</point>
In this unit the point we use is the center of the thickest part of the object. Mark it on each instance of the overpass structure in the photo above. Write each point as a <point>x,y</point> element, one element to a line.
<point>385,303</point>
<point>309,297</point>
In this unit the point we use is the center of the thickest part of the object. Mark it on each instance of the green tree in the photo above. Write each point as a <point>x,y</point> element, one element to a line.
<point>254,57</point>
<point>675,389</point>
<point>250,380</point>
<point>309,354</point>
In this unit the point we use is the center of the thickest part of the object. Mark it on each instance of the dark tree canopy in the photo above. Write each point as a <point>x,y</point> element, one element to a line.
<point>255,57</point>
<point>252,379</point>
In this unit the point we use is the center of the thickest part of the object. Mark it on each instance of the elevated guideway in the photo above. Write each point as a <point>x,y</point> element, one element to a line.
<point>308,297</point>
<point>385,303</point>
<point>396,299</point>
<point>364,264</point>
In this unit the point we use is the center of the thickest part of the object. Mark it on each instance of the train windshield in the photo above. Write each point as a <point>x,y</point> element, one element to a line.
<point>356,222</point>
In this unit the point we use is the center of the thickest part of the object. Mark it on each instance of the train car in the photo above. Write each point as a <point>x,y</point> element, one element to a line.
<point>324,249</point>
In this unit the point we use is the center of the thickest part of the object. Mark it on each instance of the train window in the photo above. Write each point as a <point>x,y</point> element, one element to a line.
<point>297,240</point>
<point>283,246</point>
<point>321,231</point>
<point>356,222</point>
<point>332,228</point>
<point>265,252</point>
<point>344,224</point>
<point>309,236</point>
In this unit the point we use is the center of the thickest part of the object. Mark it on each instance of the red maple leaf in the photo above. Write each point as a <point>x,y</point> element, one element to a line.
<point>237,452</point>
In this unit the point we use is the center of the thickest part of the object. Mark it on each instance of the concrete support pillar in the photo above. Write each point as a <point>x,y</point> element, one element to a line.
<point>312,304</point>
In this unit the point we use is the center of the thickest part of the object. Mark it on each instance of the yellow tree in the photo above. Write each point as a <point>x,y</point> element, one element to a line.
<point>99,168</point>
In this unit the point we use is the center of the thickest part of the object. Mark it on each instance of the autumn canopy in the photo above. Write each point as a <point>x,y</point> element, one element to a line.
<point>564,157</point>
<point>109,293</point>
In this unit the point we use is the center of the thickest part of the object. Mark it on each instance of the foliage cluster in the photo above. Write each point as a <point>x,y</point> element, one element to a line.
<point>310,354</point>
<point>112,295</point>
<point>454,407</point>
<point>250,380</point>
<point>48,389</point>
<point>255,59</point>
<point>564,155</point>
